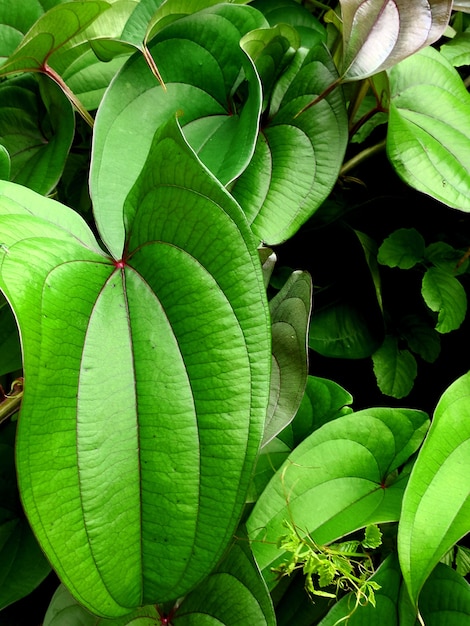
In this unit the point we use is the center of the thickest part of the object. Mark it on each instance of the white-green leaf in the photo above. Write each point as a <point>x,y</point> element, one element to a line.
<point>377,34</point>
<point>428,140</point>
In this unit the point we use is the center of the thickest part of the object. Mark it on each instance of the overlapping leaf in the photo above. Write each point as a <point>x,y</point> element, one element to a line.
<point>378,34</point>
<point>201,62</point>
<point>147,380</point>
<point>37,127</point>
<point>429,127</point>
<point>338,480</point>
<point>290,315</point>
<point>436,505</point>
<point>277,197</point>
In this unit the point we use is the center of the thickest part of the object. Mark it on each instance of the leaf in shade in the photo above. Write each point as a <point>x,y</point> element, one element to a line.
<point>341,478</point>
<point>438,490</point>
<point>445,598</point>
<point>233,593</point>
<point>394,368</point>
<point>22,564</point>
<point>290,315</point>
<point>429,126</point>
<point>10,350</point>
<point>5,163</point>
<point>37,127</point>
<point>378,34</point>
<point>119,352</point>
<point>404,248</point>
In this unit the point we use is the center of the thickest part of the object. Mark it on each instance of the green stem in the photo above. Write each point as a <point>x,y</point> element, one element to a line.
<point>69,93</point>
<point>12,401</point>
<point>362,156</point>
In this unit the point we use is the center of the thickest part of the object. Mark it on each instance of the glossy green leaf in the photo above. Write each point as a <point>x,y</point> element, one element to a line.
<point>235,593</point>
<point>290,315</point>
<point>269,460</point>
<point>22,564</point>
<point>276,197</point>
<point>37,127</point>
<point>51,31</point>
<point>404,248</point>
<point>444,294</point>
<point>436,505</point>
<point>429,127</point>
<point>395,368</point>
<point>167,339</point>
<point>323,401</point>
<point>378,34</point>
<point>200,60</point>
<point>444,256</point>
<point>341,478</point>
<point>388,576</point>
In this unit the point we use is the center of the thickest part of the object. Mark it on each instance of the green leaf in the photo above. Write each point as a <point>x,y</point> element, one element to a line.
<point>445,598</point>
<point>271,50</point>
<point>343,331</point>
<point>377,35</point>
<point>10,351</point>
<point>235,593</point>
<point>394,368</point>
<point>457,50</point>
<point>147,380</point>
<point>64,610</point>
<point>438,490</point>
<point>429,127</point>
<point>444,294</point>
<point>269,460</point>
<point>311,31</point>
<point>372,538</point>
<point>404,248</point>
<point>421,337</point>
<point>22,564</point>
<point>323,401</point>
<point>5,163</point>
<point>200,60</point>
<point>290,315</point>
<point>37,127</point>
<point>444,256</point>
<point>51,31</point>
<point>276,197</point>
<point>337,481</point>
<point>462,560</point>
<point>384,613</point>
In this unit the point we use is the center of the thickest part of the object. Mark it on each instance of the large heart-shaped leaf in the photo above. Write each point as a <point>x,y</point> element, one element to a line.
<point>200,61</point>
<point>429,126</point>
<point>147,380</point>
<point>339,479</point>
<point>277,197</point>
<point>378,34</point>
<point>438,490</point>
